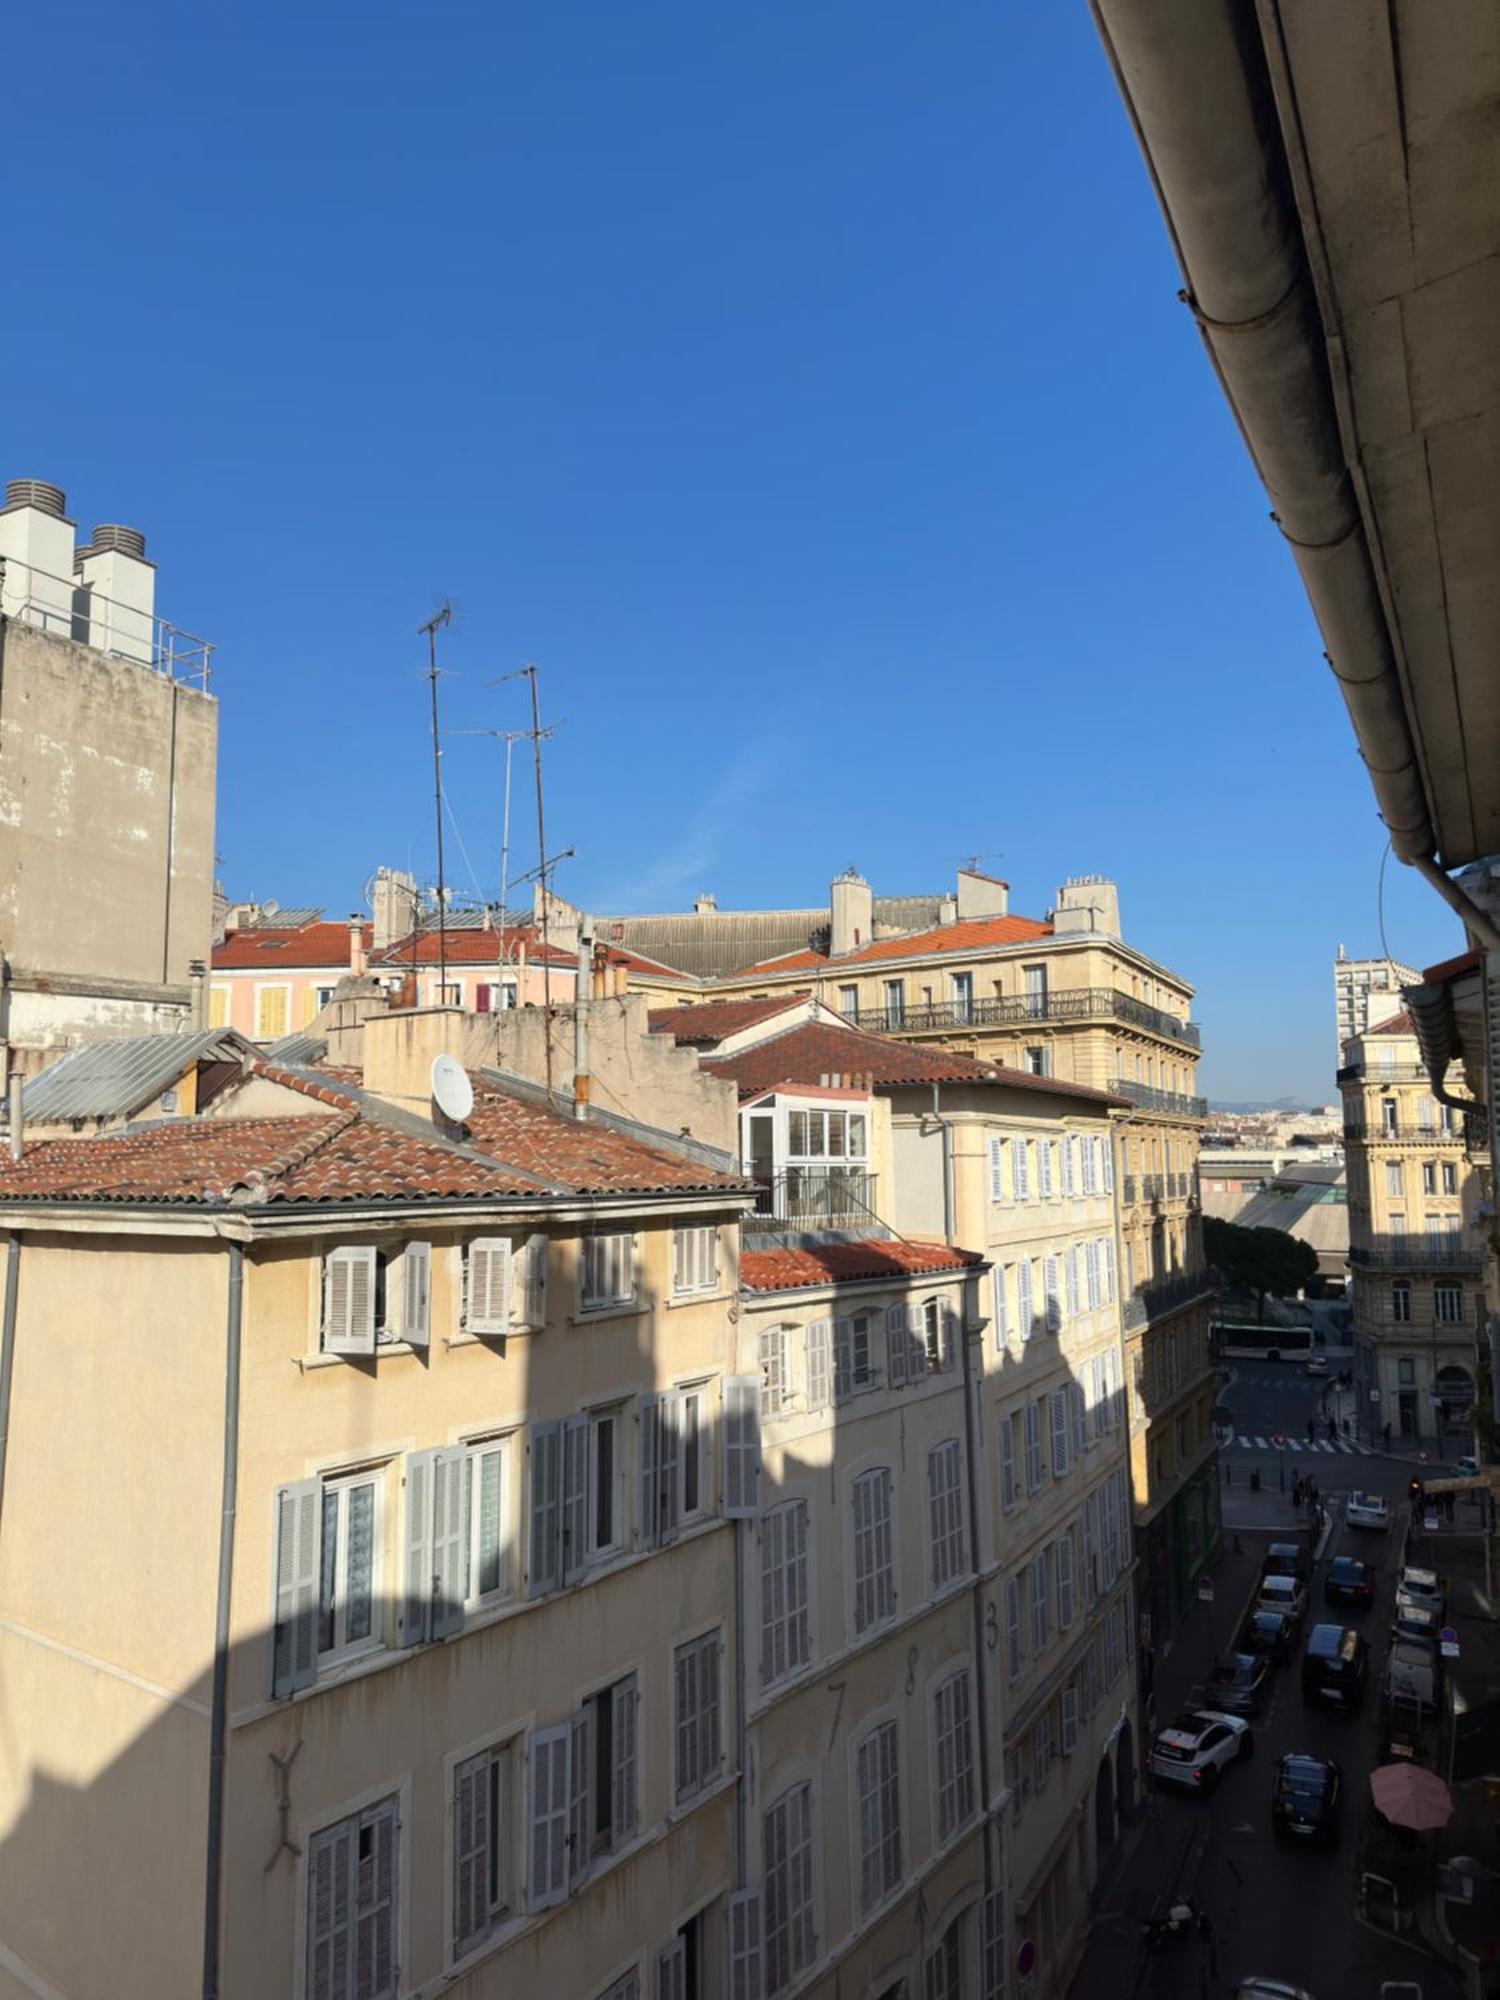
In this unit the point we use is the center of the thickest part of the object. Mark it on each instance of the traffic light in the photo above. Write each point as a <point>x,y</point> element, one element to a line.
<point>1414,1491</point>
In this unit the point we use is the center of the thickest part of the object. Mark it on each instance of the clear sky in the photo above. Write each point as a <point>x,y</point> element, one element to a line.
<point>802,386</point>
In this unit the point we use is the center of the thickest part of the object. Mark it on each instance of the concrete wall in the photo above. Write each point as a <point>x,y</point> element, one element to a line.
<point>107,780</point>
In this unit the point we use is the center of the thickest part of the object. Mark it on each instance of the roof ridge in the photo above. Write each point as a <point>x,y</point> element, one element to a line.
<point>256,1185</point>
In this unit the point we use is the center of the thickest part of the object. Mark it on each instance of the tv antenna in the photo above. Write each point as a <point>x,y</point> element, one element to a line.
<point>510,738</point>
<point>970,862</point>
<point>444,616</point>
<point>537,733</point>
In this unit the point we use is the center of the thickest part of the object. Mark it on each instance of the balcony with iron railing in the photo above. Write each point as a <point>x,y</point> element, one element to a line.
<point>1165,1295</point>
<point>1416,1252</point>
<point>1069,1003</point>
<point>814,1199</point>
<point>1372,1133</point>
<point>1169,1103</point>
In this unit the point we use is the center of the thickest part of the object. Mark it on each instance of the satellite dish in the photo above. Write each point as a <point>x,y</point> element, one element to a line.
<point>452,1092</point>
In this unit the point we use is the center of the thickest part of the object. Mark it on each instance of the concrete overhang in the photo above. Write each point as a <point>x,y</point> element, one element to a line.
<point>1329,172</point>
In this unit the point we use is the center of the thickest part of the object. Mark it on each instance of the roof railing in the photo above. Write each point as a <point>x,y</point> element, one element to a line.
<point>77,611</point>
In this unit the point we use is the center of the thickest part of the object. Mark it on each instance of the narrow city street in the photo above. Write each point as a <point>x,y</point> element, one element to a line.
<point>1276,1911</point>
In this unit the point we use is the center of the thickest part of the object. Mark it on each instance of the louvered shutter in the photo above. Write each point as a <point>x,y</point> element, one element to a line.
<point>843,1357</point>
<point>682,1260</point>
<point>671,1972</point>
<point>1002,1304</point>
<point>1044,1168</point>
<point>420,1586</point>
<point>649,1424</point>
<point>819,1364</point>
<point>1024,1315</point>
<point>580,1793</point>
<point>1109,1269</point>
<point>1109,1165</point>
<point>547,1821</point>
<point>537,1248</point>
<point>741,1420</point>
<point>349,1300</point>
<point>471,1852</point>
<point>489,1266</point>
<point>416,1294</point>
<point>375,1905</point>
<point>575,1496</point>
<point>669,1500</point>
<point>299,1547</point>
<point>1080,1434</point>
<point>948,1336</point>
<point>545,1537</point>
<point>1014,1647</point>
<point>450,1541</point>
<point>746,1968</point>
<point>1052,1294</point>
<point>330,1955</point>
<point>916,1345</point>
<point>1007,1463</point>
<point>623,1776</point>
<point>1069,1168</point>
<point>895,1345</point>
<point>1020,1177</point>
<point>992,1946</point>
<point>997,1169</point>
<point>1069,1720</point>
<point>1064,1570</point>
<point>1058,1407</point>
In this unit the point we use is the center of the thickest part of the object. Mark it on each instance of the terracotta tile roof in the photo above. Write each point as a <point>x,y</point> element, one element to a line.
<point>515,1147</point>
<point>972,934</point>
<point>1398,1024</point>
<point>472,947</point>
<point>269,948</point>
<point>816,1049</point>
<point>700,1027</point>
<point>848,1263</point>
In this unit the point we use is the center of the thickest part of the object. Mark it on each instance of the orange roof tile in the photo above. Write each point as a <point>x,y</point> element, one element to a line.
<point>700,1027</point>
<point>468,946</point>
<point>815,1049</point>
<point>315,945</point>
<point>972,934</point>
<point>1398,1024</point>
<point>849,1263</point>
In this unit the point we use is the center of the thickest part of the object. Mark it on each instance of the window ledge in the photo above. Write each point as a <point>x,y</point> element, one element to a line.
<point>321,1360</point>
<point>591,1315</point>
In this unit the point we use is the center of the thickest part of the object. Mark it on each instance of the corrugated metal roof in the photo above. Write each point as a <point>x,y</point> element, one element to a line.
<point>295,1049</point>
<point>709,943</point>
<point>114,1079</point>
<point>271,917</point>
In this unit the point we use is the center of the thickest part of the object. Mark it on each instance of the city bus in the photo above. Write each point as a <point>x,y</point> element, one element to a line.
<point>1254,1340</point>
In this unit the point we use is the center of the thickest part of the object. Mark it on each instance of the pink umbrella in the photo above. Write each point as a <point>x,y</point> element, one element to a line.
<point>1409,1796</point>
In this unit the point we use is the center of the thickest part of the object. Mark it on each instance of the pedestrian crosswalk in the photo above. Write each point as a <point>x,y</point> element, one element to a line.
<point>1349,1446</point>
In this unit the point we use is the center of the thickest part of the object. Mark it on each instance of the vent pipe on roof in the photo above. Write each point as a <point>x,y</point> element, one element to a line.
<point>582,982</point>
<point>14,1088</point>
<point>357,946</point>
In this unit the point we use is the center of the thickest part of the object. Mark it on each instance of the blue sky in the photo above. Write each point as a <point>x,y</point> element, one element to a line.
<point>802,387</point>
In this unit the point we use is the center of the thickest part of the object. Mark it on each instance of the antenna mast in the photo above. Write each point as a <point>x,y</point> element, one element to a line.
<point>438,618</point>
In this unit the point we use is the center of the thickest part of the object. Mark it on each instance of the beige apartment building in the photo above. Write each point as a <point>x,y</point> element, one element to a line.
<point>1068,997</point>
<point>108,750</point>
<point>945,1432</point>
<point>1415,1247</point>
<point>1366,991</point>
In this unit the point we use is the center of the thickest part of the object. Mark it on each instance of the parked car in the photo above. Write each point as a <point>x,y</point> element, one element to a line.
<point>1285,1594</point>
<point>1413,1677</point>
<point>1349,1581</point>
<point>1269,1634</point>
<point>1195,1747</point>
<point>1422,1587</point>
<point>1287,1559</point>
<point>1315,1365</point>
<point>1239,1683</point>
<point>1307,1801</point>
<point>1335,1667</point>
<point>1367,1510</point>
<point>1414,1625</point>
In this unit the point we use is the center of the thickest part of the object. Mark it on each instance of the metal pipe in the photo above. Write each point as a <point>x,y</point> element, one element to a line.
<point>581,1019</point>
<point>739,1529</point>
<point>218,1727</point>
<point>8,1345</point>
<point>15,1108</point>
<point>1479,921</point>
<point>947,1131</point>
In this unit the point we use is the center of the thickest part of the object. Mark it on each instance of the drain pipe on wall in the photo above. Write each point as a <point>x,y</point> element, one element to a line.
<point>8,1345</point>
<point>582,981</point>
<point>219,1717</point>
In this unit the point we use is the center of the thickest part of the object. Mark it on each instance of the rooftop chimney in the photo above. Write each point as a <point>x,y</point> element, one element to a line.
<point>705,906</point>
<point>851,912</point>
<point>1087,903</point>
<point>121,588</point>
<point>394,907</point>
<point>981,895</point>
<point>356,944</point>
<point>36,548</point>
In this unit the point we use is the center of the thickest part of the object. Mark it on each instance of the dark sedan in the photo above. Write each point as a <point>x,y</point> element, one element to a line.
<point>1238,1684</point>
<point>1349,1581</point>
<point>1307,1803</point>
<point>1268,1634</point>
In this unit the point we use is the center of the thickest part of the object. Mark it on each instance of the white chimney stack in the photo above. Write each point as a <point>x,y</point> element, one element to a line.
<point>36,547</point>
<point>121,588</point>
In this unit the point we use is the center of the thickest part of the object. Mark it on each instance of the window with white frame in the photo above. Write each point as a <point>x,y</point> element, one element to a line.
<point>694,1430</point>
<point>790,1914</point>
<point>626,1987</point>
<point>327,1569</point>
<point>352,1906</point>
<point>849,1002</point>
<point>1060,1416</point>
<point>483,1845</point>
<point>939,1335</point>
<point>996,1150</point>
<point>1051,1295</point>
<point>1033,1424</point>
<point>775,1378</point>
<point>827,1135</point>
<point>853,1367</point>
<point>1448,1303</point>
<point>874,1549</point>
<point>672,1432</point>
<point>608,1271</point>
<point>375,1296</point>
<point>943,1967</point>
<point>1002,1304</point>
<point>695,1260</point>
<point>785,1635</point>
<point>952,1730</point>
<point>488,1285</point>
<point>878,1804</point>
<point>1393,1178</point>
<point>945,1512</point>
<point>697,1673</point>
<point>1020,1169</point>
<point>576,1512</point>
<point>583,1797</point>
<point>1450,1177</point>
<point>1090,1166</point>
<point>488,1530</point>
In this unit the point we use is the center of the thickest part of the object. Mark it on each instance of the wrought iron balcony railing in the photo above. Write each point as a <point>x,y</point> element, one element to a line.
<point>1409,1253</point>
<point>1372,1133</point>
<point>1170,1103</point>
<point>1164,1295</point>
<point>814,1198</point>
<point>1069,1003</point>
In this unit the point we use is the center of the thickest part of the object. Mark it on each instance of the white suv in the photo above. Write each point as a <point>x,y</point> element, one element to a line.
<point>1195,1747</point>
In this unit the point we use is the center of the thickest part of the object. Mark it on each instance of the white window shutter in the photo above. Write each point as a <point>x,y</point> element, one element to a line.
<point>671,1971</point>
<point>547,1818</point>
<point>580,1793</point>
<point>472,1835</point>
<point>948,1337</point>
<point>1007,1464</point>
<point>545,1510</point>
<point>299,1545</point>
<point>489,1284</point>
<point>1069,1720</point>
<point>669,1506</point>
<point>420,1577</point>
<point>997,1169</point>
<point>1109,1165</point>
<point>741,1423</point>
<point>1063,1566</point>
<point>746,1968</point>
<point>450,1541</point>
<point>819,1364</point>
<point>1069,1167</point>
<point>1051,1294</point>
<point>1002,1304</point>
<point>623,1776</point>
<point>916,1345</point>
<point>575,1496</point>
<point>349,1299</point>
<point>895,1345</point>
<point>1060,1432</point>
<point>537,1250</point>
<point>416,1294</point>
<point>649,1422</point>
<point>843,1356</point>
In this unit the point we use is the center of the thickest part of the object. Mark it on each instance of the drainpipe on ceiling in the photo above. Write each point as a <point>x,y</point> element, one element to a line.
<point>219,1718</point>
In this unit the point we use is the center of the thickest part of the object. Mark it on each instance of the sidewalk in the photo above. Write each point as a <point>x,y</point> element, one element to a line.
<point>1138,1878</point>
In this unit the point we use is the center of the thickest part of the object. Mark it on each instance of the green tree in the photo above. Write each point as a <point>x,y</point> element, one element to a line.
<point>1258,1260</point>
